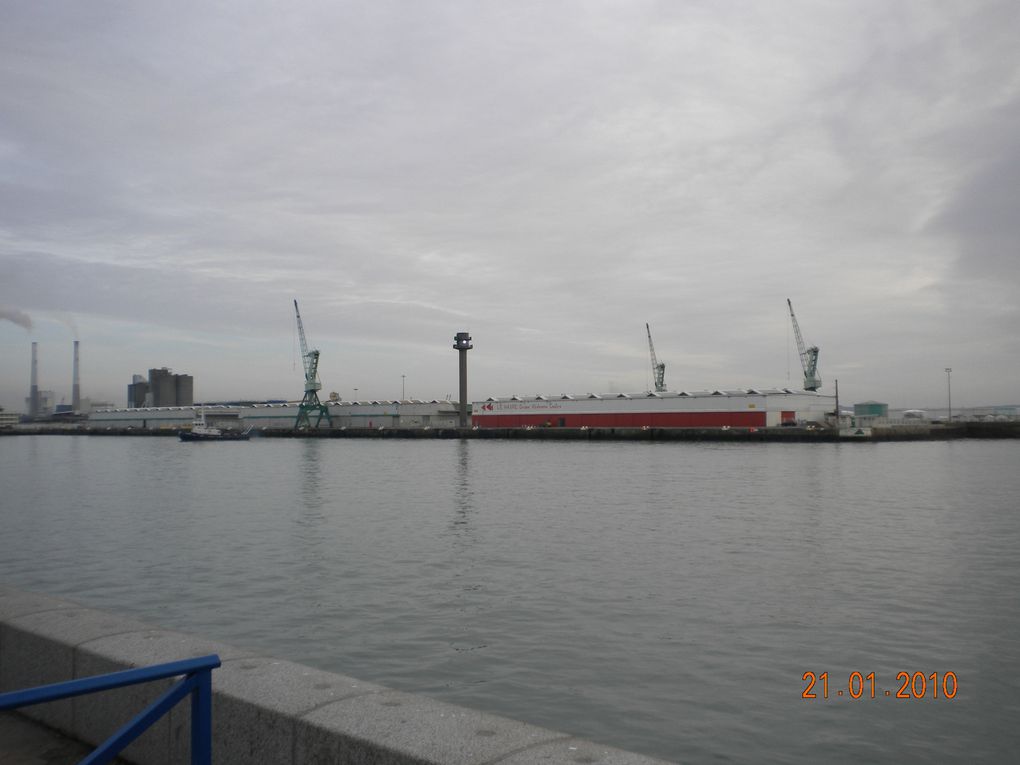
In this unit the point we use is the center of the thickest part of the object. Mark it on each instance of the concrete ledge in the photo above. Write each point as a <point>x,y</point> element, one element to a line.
<point>264,710</point>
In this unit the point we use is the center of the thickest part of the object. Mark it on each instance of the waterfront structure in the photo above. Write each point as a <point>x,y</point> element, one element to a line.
<point>808,355</point>
<point>748,408</point>
<point>658,367</point>
<point>310,403</point>
<point>462,344</point>
<point>327,714</point>
<point>88,405</point>
<point>376,415</point>
<point>163,388</point>
<point>137,391</point>
<point>41,402</point>
<point>872,409</point>
<point>184,390</point>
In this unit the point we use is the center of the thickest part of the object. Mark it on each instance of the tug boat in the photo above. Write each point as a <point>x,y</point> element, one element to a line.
<point>203,431</point>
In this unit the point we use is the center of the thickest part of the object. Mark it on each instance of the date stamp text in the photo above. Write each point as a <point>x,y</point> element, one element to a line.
<point>916,685</point>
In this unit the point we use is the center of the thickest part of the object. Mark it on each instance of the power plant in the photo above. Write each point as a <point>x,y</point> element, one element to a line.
<point>41,404</point>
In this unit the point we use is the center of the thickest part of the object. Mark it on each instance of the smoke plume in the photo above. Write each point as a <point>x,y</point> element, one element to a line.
<point>69,322</point>
<point>20,318</point>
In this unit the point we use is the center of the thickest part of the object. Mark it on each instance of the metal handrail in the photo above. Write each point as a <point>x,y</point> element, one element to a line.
<point>197,682</point>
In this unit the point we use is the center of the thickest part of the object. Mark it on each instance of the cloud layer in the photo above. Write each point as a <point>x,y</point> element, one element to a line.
<point>548,176</point>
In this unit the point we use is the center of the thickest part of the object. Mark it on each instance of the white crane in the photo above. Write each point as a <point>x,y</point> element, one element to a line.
<point>658,367</point>
<point>808,356</point>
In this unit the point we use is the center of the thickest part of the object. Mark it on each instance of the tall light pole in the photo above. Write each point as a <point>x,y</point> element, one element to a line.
<point>462,344</point>
<point>949,391</point>
<point>402,379</point>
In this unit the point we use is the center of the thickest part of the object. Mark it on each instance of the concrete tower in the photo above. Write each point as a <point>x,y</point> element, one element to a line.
<point>462,344</point>
<point>75,387</point>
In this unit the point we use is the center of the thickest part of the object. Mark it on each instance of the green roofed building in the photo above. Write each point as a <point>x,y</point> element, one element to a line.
<point>871,409</point>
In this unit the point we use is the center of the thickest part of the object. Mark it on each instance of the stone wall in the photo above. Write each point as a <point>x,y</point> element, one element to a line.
<point>265,710</point>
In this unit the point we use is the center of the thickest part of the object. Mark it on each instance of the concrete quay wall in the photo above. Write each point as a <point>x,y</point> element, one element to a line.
<point>265,710</point>
<point>881,432</point>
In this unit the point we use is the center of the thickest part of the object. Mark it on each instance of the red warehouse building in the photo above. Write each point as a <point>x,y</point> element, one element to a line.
<point>750,408</point>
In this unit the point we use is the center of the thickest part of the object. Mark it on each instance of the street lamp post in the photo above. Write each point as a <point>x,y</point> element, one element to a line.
<point>402,379</point>
<point>949,391</point>
<point>355,394</point>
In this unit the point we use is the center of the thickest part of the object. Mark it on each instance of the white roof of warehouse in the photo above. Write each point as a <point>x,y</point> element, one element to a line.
<point>664,394</point>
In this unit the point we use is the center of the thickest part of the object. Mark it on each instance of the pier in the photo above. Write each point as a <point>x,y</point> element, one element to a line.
<point>896,432</point>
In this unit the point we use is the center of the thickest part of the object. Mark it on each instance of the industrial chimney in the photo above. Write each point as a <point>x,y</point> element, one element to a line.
<point>75,387</point>
<point>462,344</point>
<point>33,391</point>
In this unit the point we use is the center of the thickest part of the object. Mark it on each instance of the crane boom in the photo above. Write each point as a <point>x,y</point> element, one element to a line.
<point>658,367</point>
<point>304,343</point>
<point>808,356</point>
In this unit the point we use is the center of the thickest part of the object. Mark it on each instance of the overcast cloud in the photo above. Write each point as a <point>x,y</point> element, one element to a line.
<point>546,175</point>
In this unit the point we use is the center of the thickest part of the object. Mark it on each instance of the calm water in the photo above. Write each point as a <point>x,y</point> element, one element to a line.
<point>664,598</point>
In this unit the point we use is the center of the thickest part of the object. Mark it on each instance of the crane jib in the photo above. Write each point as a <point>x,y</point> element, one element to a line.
<point>658,367</point>
<point>808,356</point>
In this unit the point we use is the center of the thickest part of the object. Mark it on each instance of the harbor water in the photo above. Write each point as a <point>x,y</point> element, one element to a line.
<point>666,598</point>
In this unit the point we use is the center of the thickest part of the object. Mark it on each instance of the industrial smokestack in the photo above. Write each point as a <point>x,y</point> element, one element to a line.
<point>33,391</point>
<point>462,344</point>
<point>75,387</point>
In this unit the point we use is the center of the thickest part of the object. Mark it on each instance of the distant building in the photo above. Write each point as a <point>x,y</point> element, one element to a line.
<point>867,413</point>
<point>871,409</point>
<point>738,408</point>
<point>8,419</point>
<point>184,386</point>
<point>137,391</point>
<point>44,404</point>
<point>280,415</point>
<point>88,405</point>
<point>163,388</point>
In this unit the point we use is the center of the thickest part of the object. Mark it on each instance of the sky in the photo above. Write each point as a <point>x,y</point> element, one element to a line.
<point>548,176</point>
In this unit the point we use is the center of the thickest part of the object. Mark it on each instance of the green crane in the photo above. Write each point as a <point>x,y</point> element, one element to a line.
<point>658,367</point>
<point>808,356</point>
<point>310,403</point>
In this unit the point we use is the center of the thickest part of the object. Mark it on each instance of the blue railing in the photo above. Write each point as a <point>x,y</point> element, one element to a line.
<point>197,681</point>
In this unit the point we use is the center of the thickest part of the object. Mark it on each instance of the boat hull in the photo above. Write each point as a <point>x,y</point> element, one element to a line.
<point>189,436</point>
